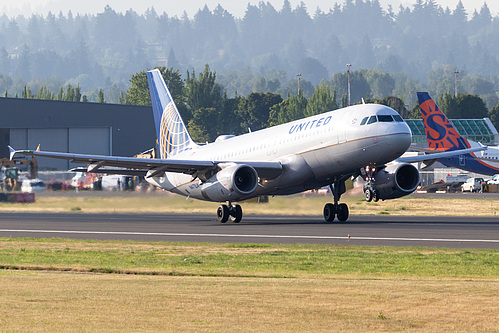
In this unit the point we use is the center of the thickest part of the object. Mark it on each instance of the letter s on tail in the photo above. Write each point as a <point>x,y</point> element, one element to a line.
<point>172,134</point>
<point>440,133</point>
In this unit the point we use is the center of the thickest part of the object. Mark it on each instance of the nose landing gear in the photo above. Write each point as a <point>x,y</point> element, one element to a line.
<point>370,193</point>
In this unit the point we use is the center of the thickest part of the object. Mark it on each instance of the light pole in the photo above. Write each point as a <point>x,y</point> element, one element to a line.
<point>348,72</point>
<point>455,82</point>
<point>299,77</point>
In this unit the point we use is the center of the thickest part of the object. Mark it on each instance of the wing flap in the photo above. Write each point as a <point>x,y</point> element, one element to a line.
<point>100,161</point>
<point>114,171</point>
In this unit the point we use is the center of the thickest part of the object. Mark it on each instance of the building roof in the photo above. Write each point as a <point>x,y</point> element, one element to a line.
<point>480,130</point>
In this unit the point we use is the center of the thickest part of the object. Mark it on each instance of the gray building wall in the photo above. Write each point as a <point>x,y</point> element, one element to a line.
<point>92,128</point>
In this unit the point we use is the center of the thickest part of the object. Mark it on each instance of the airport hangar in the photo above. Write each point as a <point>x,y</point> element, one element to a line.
<point>87,128</point>
<point>126,130</point>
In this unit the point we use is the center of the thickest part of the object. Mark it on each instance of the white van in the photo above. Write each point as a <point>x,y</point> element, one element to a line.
<point>33,185</point>
<point>494,179</point>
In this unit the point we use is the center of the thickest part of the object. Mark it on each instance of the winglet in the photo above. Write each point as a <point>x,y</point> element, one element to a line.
<point>12,152</point>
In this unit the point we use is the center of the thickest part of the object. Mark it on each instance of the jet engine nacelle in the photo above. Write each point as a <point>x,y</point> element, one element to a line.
<point>396,180</point>
<point>235,182</point>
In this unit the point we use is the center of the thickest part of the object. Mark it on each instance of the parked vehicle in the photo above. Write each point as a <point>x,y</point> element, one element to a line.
<point>117,183</point>
<point>33,185</point>
<point>472,185</point>
<point>494,179</point>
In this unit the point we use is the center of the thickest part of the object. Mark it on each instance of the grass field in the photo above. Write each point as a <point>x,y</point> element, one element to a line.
<point>73,285</point>
<point>291,205</point>
<point>49,285</point>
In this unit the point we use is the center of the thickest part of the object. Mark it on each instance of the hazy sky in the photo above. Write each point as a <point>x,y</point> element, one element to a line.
<point>176,7</point>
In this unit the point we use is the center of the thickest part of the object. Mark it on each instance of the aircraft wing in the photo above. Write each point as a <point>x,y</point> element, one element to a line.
<point>105,164</point>
<point>426,150</point>
<point>436,155</point>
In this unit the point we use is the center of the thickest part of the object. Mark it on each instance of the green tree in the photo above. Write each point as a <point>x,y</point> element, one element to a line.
<point>60,94</point>
<point>381,84</point>
<point>101,99</point>
<point>463,106</point>
<point>204,125</point>
<point>229,121</point>
<point>395,103</point>
<point>77,95</point>
<point>138,92</point>
<point>44,93</point>
<point>202,91</point>
<point>208,123</point>
<point>27,92</point>
<point>321,101</point>
<point>415,112</point>
<point>122,98</point>
<point>360,88</point>
<point>70,93</point>
<point>292,108</point>
<point>254,110</point>
<point>494,116</point>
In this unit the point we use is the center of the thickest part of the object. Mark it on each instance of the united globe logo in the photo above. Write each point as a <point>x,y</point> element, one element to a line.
<point>173,134</point>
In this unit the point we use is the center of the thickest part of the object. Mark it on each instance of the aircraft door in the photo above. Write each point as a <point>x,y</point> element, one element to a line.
<point>340,129</point>
<point>462,160</point>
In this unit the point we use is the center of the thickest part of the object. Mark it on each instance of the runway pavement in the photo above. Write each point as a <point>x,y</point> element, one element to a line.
<point>452,232</point>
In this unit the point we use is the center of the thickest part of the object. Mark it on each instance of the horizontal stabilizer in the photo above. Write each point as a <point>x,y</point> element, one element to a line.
<point>426,157</point>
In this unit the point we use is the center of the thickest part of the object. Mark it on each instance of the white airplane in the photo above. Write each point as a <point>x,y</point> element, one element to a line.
<point>322,150</point>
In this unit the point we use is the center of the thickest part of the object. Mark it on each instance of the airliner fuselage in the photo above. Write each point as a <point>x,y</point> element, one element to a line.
<point>313,151</point>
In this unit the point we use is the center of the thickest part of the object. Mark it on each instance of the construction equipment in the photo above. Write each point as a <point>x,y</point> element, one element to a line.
<point>150,153</point>
<point>9,172</point>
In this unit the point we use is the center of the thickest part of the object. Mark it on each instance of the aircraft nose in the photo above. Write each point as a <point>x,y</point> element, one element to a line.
<point>401,139</point>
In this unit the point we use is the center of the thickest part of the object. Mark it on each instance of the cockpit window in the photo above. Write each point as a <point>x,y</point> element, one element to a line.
<point>372,119</point>
<point>363,122</point>
<point>385,118</point>
<point>398,118</point>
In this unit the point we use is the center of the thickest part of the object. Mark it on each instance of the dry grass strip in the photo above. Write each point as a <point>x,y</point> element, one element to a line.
<point>48,302</point>
<point>294,205</point>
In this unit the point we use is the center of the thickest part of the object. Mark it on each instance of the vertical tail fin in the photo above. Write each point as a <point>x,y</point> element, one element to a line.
<point>439,131</point>
<point>172,134</point>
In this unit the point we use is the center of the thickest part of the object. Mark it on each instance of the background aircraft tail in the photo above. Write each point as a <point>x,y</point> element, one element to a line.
<point>172,134</point>
<point>439,131</point>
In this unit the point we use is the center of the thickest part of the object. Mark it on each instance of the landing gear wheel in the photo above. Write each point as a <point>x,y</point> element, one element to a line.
<point>329,212</point>
<point>342,212</point>
<point>369,195</point>
<point>375,195</point>
<point>236,214</point>
<point>223,213</point>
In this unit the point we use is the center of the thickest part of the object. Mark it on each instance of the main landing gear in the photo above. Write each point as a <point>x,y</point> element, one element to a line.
<point>234,212</point>
<point>336,210</point>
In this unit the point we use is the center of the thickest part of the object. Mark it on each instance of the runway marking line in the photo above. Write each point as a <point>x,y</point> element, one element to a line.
<point>348,237</point>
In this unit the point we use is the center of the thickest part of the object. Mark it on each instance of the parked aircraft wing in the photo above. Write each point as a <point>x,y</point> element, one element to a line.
<point>437,155</point>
